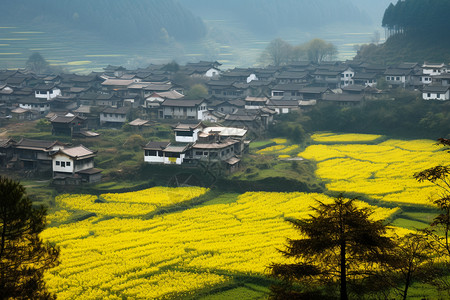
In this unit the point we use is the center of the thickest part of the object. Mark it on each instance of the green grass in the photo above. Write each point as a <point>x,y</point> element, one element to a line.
<point>260,144</point>
<point>226,198</point>
<point>242,292</point>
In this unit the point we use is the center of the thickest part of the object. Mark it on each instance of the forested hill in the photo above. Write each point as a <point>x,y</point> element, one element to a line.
<point>270,16</point>
<point>417,30</point>
<point>419,17</point>
<point>120,20</point>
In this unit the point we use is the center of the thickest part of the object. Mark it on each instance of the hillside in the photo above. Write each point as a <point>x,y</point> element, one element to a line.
<point>115,20</point>
<point>416,31</point>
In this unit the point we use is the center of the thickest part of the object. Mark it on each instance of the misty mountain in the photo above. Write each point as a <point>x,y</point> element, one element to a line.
<point>269,16</point>
<point>119,20</point>
<point>374,9</point>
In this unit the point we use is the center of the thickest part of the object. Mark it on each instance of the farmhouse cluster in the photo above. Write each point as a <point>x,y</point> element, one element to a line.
<point>238,101</point>
<point>68,165</point>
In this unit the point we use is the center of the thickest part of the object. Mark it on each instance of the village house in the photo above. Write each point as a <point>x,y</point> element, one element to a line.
<point>39,105</point>
<point>6,151</point>
<point>74,165</point>
<point>187,133</point>
<point>111,116</point>
<point>34,155</point>
<point>436,92</point>
<point>46,91</point>
<point>203,69</point>
<point>434,69</point>
<point>195,143</point>
<point>69,124</point>
<point>366,79</point>
<point>183,109</point>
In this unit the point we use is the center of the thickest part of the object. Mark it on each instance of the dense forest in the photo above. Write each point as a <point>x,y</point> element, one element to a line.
<point>117,20</point>
<point>416,31</point>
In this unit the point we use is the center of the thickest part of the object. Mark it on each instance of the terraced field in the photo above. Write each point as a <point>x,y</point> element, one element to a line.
<point>135,245</point>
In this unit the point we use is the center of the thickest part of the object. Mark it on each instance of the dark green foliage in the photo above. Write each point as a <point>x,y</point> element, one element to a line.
<point>408,116</point>
<point>340,244</point>
<point>23,255</point>
<point>440,176</point>
<point>418,16</point>
<point>197,91</point>
<point>289,126</point>
<point>416,31</point>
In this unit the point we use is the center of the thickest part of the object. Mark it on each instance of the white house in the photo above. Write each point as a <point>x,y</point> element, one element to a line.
<point>347,77</point>
<point>46,91</point>
<point>434,69</point>
<point>183,109</point>
<point>187,133</point>
<point>153,152</point>
<point>31,103</point>
<point>75,162</point>
<point>436,92</point>
<point>165,153</point>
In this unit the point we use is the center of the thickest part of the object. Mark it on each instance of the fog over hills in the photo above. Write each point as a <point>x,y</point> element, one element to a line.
<point>86,34</point>
<point>119,20</point>
<point>270,16</point>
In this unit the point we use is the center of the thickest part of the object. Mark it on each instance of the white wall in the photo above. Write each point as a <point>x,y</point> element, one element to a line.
<point>49,95</point>
<point>212,72</point>
<point>113,118</point>
<point>188,139</point>
<point>62,159</point>
<point>434,96</point>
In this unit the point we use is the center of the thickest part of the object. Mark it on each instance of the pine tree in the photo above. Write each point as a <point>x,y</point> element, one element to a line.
<point>23,255</point>
<point>340,243</point>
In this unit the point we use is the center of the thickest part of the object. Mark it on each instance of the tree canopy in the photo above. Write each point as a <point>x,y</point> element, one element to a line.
<point>279,52</point>
<point>340,242</point>
<point>23,255</point>
<point>36,63</point>
<point>419,16</point>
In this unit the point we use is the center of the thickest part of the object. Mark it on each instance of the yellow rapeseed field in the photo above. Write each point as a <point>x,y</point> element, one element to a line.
<point>177,254</point>
<point>384,171</point>
<point>348,137</point>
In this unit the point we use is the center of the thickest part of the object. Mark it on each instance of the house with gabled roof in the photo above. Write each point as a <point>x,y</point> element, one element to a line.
<point>436,92</point>
<point>183,109</point>
<point>46,91</point>
<point>41,106</point>
<point>35,155</point>
<point>68,124</point>
<point>187,132</point>
<point>114,116</point>
<point>74,165</point>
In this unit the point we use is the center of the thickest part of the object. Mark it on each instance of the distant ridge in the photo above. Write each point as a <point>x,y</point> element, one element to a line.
<point>128,21</point>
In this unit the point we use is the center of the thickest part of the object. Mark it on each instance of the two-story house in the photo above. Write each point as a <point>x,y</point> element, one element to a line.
<point>74,164</point>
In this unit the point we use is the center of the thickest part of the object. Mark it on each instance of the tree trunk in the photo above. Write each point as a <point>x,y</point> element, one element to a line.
<point>344,295</point>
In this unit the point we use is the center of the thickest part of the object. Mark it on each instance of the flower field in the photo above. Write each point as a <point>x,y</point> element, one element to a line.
<point>339,138</point>
<point>177,254</point>
<point>382,171</point>
<point>129,204</point>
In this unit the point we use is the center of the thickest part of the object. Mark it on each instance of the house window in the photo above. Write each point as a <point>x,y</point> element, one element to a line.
<point>438,95</point>
<point>63,164</point>
<point>57,163</point>
<point>199,153</point>
<point>429,95</point>
<point>68,163</point>
<point>398,78</point>
<point>150,152</point>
